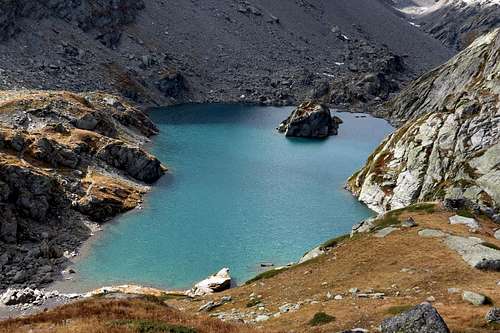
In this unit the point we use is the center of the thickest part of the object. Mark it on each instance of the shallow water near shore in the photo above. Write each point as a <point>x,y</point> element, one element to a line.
<point>237,194</point>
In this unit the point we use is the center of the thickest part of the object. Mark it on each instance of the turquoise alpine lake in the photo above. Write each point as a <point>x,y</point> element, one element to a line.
<point>237,194</point>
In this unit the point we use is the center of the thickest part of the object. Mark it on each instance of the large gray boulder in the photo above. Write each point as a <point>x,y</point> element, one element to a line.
<point>421,319</point>
<point>310,120</point>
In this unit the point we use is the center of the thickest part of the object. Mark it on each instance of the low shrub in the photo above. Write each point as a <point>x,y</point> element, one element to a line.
<point>321,318</point>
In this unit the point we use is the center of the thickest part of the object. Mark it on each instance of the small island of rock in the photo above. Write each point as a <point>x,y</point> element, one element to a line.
<point>310,120</point>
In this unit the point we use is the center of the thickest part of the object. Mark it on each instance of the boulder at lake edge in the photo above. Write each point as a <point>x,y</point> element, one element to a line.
<point>216,283</point>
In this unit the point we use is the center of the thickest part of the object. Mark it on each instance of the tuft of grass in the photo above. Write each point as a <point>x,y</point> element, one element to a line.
<point>151,326</point>
<point>267,275</point>
<point>253,302</point>
<point>321,318</point>
<point>491,246</point>
<point>395,310</point>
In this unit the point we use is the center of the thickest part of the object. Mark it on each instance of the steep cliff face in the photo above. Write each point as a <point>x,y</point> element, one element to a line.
<point>449,146</point>
<point>65,160</point>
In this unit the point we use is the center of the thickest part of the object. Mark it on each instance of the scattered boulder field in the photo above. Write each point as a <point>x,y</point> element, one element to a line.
<point>170,52</point>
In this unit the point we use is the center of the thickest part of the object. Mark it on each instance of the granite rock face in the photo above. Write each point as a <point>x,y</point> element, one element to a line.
<point>310,120</point>
<point>65,160</point>
<point>421,319</point>
<point>448,145</point>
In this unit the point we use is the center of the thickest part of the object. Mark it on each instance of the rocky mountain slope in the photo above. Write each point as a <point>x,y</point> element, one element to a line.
<point>455,22</point>
<point>156,51</point>
<point>449,148</point>
<point>65,160</point>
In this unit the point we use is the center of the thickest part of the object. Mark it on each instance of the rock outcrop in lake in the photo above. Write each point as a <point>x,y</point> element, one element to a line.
<point>66,160</point>
<point>310,120</point>
<point>448,147</point>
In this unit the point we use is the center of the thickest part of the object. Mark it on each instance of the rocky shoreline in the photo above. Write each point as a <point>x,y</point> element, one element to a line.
<point>68,161</point>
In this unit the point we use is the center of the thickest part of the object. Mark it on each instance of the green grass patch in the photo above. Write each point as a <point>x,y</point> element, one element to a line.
<point>465,213</point>
<point>491,246</point>
<point>267,275</point>
<point>334,242</point>
<point>151,326</point>
<point>390,219</point>
<point>321,318</point>
<point>395,310</point>
<point>423,207</point>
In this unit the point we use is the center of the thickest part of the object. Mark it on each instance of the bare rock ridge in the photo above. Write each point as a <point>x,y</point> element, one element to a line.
<point>449,148</point>
<point>454,22</point>
<point>310,120</point>
<point>167,52</point>
<point>65,159</point>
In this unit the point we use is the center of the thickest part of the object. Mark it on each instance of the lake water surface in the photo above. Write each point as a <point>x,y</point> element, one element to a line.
<point>238,193</point>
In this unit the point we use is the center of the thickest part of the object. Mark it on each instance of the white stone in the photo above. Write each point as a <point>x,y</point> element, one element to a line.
<point>215,283</point>
<point>469,222</point>
<point>473,252</point>
<point>314,253</point>
<point>261,318</point>
<point>474,298</point>
<point>431,233</point>
<point>385,232</point>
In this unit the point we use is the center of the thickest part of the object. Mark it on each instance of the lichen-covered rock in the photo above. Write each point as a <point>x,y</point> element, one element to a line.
<point>493,316</point>
<point>421,319</point>
<point>310,120</point>
<point>449,146</point>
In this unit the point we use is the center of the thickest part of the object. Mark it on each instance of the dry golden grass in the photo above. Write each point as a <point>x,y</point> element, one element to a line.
<point>369,262</point>
<point>108,316</point>
<point>364,262</point>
